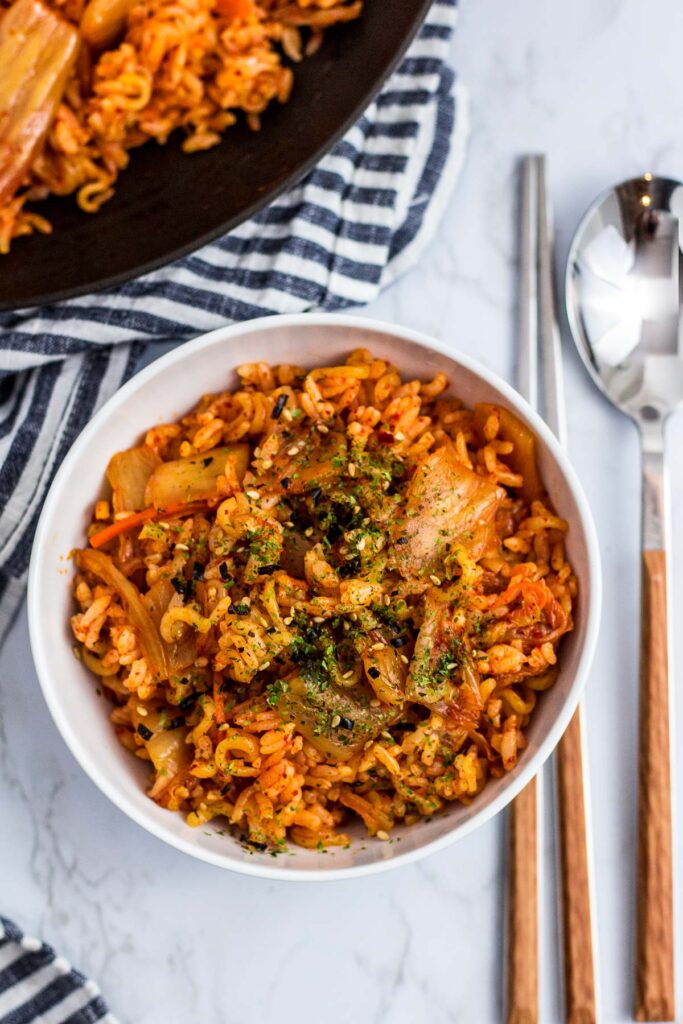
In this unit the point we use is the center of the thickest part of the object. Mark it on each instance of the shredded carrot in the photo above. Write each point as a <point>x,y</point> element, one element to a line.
<point>139,518</point>
<point>235,8</point>
<point>218,699</point>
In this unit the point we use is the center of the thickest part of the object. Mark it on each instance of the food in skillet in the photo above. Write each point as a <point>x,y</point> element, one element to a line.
<point>82,82</point>
<point>325,595</point>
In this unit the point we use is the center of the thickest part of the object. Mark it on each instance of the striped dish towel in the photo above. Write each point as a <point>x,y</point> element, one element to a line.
<point>39,987</point>
<point>351,227</point>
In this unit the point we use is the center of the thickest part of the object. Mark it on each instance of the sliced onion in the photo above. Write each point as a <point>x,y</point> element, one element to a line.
<point>178,655</point>
<point>169,752</point>
<point>96,665</point>
<point>167,748</point>
<point>101,565</point>
<point>128,473</point>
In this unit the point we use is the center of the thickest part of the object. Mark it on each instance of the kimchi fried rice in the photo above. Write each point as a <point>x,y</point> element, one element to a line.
<point>326,595</point>
<point>82,82</point>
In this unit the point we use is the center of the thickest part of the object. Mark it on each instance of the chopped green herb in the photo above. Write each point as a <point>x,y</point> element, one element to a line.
<point>275,691</point>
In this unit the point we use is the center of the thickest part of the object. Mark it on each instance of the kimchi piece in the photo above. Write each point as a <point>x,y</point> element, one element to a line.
<point>447,506</point>
<point>37,53</point>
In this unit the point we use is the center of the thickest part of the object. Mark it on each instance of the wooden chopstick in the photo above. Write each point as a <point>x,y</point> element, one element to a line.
<point>571,760</point>
<point>575,873</point>
<point>522,897</point>
<point>522,915</point>
<point>655,993</point>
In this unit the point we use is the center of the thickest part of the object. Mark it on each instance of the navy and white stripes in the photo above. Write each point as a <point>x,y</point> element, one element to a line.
<point>39,987</point>
<point>356,222</point>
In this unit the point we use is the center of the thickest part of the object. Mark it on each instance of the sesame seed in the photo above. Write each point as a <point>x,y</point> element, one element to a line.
<point>309,531</point>
<point>374,703</point>
<point>289,524</point>
<point>322,428</point>
<point>347,626</point>
<point>257,452</point>
<point>142,711</point>
<point>293,450</point>
<point>352,469</point>
<point>347,675</point>
<point>404,659</point>
<point>451,666</point>
<point>122,515</point>
<point>201,662</point>
<point>383,835</point>
<point>181,547</point>
<point>254,495</point>
<point>265,665</point>
<point>377,647</point>
<point>435,580</point>
<point>289,620</point>
<point>267,463</point>
<point>361,544</point>
<point>286,414</point>
<point>335,721</point>
<point>318,618</point>
<point>399,436</point>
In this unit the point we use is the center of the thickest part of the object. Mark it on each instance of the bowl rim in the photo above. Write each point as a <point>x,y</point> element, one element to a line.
<point>141,380</point>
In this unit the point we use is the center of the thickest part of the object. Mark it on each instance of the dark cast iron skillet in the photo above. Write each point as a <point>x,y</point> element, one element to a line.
<point>168,203</point>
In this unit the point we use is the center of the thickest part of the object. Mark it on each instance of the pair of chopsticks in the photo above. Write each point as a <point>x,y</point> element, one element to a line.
<point>539,361</point>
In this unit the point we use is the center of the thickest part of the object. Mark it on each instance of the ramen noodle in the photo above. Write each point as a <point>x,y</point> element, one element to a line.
<point>326,595</point>
<point>82,82</point>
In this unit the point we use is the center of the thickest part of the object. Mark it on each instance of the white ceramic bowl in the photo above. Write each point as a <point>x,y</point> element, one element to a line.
<point>164,391</point>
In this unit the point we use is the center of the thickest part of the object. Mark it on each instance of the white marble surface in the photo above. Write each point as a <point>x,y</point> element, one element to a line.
<point>596,85</point>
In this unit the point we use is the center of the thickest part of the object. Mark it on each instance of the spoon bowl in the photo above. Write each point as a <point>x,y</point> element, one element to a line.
<point>623,289</point>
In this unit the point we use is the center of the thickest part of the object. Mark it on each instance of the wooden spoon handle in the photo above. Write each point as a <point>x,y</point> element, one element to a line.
<point>655,936</point>
<point>579,968</point>
<point>522,928</point>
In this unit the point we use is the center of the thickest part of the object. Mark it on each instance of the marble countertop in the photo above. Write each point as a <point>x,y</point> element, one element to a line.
<point>596,85</point>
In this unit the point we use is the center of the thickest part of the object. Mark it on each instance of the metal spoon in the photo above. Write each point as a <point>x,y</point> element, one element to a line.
<point>623,293</point>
